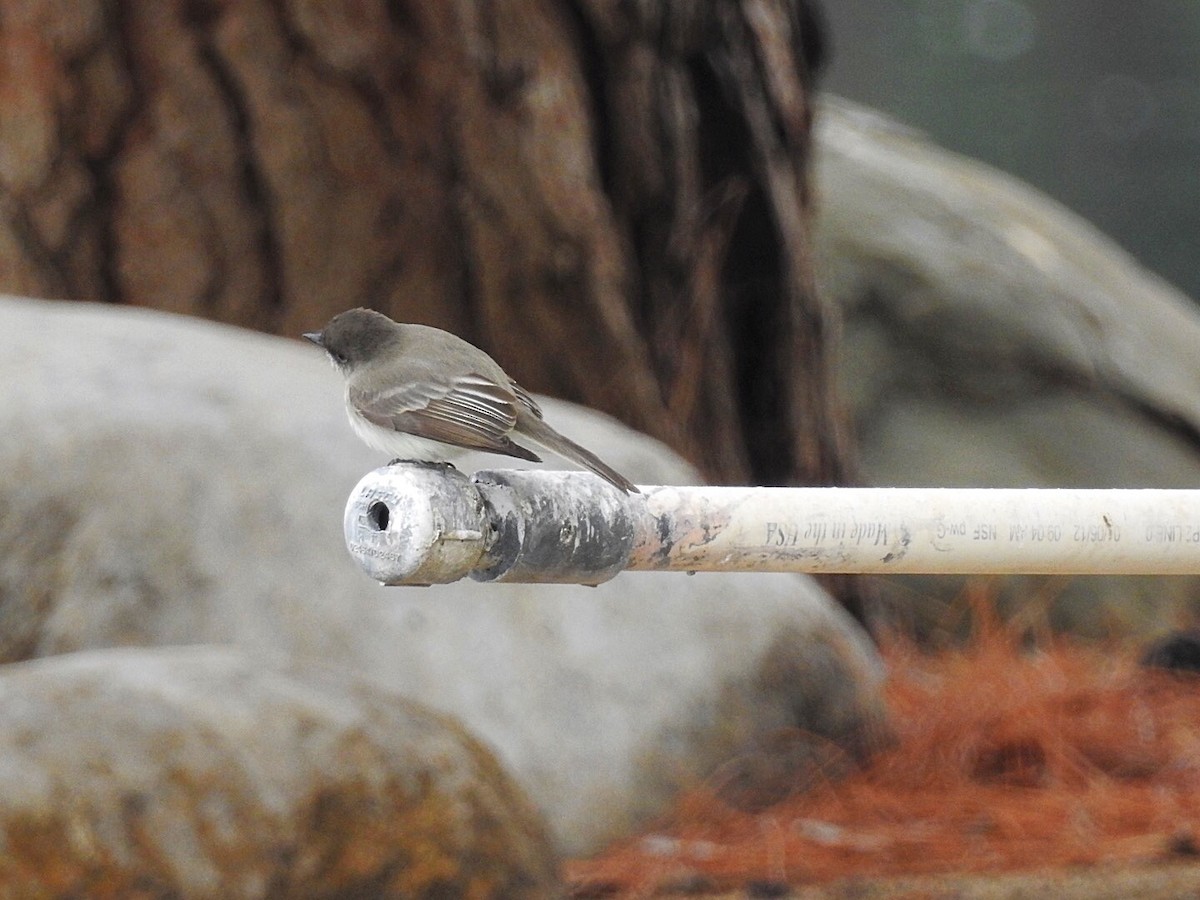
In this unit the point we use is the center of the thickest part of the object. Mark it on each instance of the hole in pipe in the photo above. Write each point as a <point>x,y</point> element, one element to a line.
<point>378,515</point>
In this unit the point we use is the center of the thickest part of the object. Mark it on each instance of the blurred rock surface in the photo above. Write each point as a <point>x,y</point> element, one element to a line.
<point>993,338</point>
<point>198,772</point>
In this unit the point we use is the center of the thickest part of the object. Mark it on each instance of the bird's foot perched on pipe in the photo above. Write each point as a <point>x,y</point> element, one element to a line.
<point>440,465</point>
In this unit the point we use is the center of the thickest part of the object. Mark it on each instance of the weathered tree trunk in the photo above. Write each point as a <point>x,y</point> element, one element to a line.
<point>610,197</point>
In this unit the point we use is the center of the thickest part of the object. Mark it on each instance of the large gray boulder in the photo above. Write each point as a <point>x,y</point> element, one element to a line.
<point>200,773</point>
<point>993,338</point>
<point>167,480</point>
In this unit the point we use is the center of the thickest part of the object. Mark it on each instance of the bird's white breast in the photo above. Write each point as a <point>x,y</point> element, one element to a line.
<point>399,445</point>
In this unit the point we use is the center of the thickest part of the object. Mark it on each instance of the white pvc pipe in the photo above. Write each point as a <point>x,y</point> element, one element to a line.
<point>926,530</point>
<point>418,525</point>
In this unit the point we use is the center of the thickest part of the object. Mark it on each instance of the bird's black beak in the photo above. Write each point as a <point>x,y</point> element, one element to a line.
<point>315,336</point>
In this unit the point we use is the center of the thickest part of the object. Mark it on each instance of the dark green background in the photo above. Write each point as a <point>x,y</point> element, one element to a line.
<point>1096,103</point>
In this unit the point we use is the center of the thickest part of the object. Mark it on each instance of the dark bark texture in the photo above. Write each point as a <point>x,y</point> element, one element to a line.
<point>608,196</point>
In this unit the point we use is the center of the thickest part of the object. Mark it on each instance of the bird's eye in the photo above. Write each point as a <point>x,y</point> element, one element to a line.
<point>339,358</point>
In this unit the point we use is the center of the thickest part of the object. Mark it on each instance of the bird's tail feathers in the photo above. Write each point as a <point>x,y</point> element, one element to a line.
<point>534,428</point>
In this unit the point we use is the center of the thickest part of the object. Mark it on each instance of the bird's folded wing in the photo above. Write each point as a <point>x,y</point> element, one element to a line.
<point>468,411</point>
<point>525,399</point>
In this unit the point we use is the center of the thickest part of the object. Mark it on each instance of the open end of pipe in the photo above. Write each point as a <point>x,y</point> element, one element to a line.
<point>379,515</point>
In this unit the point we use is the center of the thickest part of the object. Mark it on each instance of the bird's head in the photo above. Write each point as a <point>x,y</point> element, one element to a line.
<point>354,337</point>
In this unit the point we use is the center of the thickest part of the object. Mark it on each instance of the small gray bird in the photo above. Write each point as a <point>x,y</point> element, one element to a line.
<point>421,393</point>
